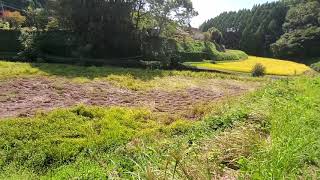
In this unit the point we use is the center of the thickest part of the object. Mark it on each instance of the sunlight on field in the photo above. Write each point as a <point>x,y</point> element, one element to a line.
<point>273,66</point>
<point>131,78</point>
<point>8,69</point>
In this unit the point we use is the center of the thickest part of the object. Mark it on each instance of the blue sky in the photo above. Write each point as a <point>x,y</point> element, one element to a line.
<point>210,8</point>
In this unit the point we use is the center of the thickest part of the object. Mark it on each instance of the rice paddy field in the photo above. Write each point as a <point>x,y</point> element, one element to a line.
<point>74,122</point>
<point>273,66</point>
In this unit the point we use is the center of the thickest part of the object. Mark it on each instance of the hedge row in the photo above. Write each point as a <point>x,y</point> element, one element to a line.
<point>52,46</point>
<point>9,40</point>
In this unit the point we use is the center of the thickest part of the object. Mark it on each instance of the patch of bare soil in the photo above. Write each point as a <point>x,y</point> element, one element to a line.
<point>25,96</point>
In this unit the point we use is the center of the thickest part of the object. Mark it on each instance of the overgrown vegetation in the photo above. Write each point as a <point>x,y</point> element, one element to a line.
<point>189,49</point>
<point>272,133</point>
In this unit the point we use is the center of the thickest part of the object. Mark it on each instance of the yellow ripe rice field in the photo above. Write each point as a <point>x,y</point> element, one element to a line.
<point>273,66</point>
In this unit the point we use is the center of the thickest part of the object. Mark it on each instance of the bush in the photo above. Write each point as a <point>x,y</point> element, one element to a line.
<point>316,66</point>
<point>172,52</point>
<point>28,39</point>
<point>54,43</point>
<point>258,70</point>
<point>216,35</point>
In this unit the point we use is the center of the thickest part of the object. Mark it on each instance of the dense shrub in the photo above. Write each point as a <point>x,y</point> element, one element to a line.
<point>193,56</point>
<point>207,51</point>
<point>62,47</point>
<point>316,66</point>
<point>177,51</point>
<point>55,43</point>
<point>258,70</point>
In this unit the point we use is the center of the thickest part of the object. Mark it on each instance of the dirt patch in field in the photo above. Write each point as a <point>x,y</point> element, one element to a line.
<point>25,96</point>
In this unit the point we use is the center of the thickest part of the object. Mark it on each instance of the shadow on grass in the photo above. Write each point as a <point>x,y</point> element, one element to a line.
<point>92,72</point>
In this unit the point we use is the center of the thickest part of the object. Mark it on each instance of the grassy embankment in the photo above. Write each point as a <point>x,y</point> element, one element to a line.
<point>272,133</point>
<point>273,66</point>
<point>190,46</point>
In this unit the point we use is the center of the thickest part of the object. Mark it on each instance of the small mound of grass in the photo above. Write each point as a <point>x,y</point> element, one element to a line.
<point>231,55</point>
<point>258,70</point>
<point>273,66</point>
<point>316,66</point>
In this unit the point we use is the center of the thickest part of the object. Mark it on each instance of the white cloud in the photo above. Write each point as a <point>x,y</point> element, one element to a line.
<point>210,8</point>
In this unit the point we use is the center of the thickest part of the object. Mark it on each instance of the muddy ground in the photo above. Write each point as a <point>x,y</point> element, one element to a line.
<point>21,97</point>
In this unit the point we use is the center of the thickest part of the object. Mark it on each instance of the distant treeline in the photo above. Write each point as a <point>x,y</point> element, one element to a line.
<point>286,29</point>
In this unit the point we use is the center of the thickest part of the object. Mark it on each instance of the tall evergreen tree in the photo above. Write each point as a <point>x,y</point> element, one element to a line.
<point>251,30</point>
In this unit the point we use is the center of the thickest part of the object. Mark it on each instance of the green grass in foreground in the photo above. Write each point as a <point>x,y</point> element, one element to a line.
<point>271,134</point>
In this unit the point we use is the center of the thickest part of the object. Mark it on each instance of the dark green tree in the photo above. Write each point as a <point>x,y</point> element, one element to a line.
<point>302,32</point>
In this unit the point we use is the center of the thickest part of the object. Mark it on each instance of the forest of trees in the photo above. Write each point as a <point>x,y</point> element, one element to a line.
<point>286,29</point>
